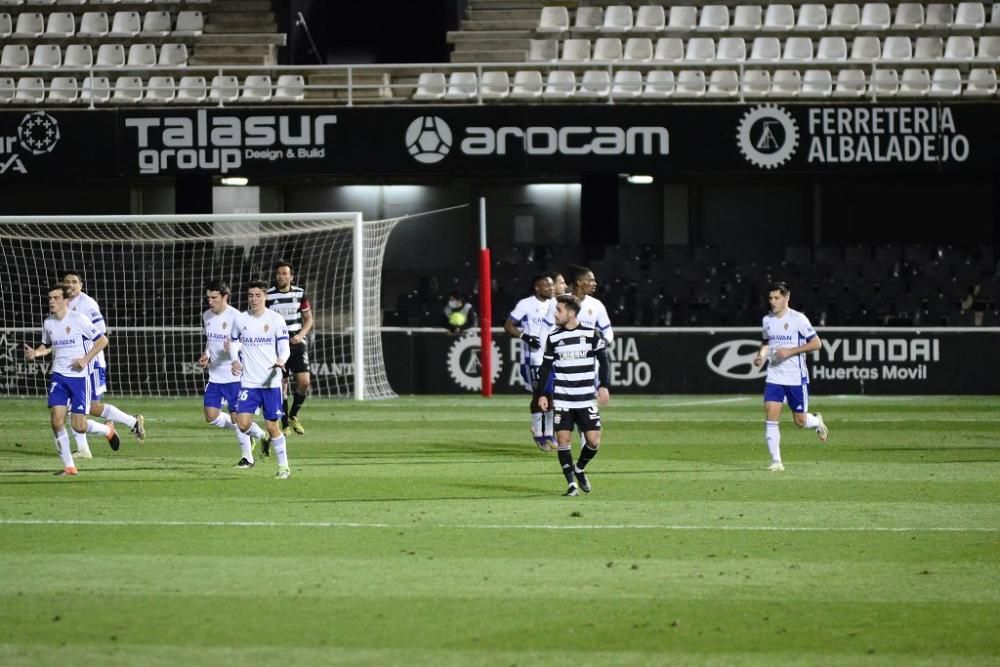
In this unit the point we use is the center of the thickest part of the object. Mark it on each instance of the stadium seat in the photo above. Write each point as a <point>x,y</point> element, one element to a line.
<point>494,85</point>
<point>765,49</point>
<point>141,55</point>
<point>29,25</point>
<point>192,90</point>
<point>95,90</point>
<point>756,83</point>
<point>15,55</point>
<point>995,15</point>
<point>731,49</point>
<point>748,17</point>
<point>638,49</point>
<point>553,19</point>
<point>7,90</point>
<point>896,47</point>
<point>93,24</point>
<point>588,19</point>
<point>959,47</point>
<point>817,83</point>
<point>30,90</point>
<point>982,82</point>
<point>189,24</point>
<point>650,18</point>
<point>811,17</point>
<point>723,83</point>
<point>831,48</point>
<point>110,55</point>
<point>627,84</point>
<point>173,55</point>
<point>559,84</point>
<point>526,85</point>
<point>462,86</point>
<point>845,16</point>
<point>915,82</point>
<point>543,50</point>
<point>128,90</point>
<point>155,24</point>
<point>607,49</point>
<point>79,55</point>
<point>430,86</point>
<point>713,18</point>
<point>690,83</point>
<point>970,15</point>
<point>124,24</point>
<point>850,83</point>
<point>6,25</point>
<point>875,16</point>
<point>946,82</point>
<point>595,84</point>
<point>160,90</point>
<point>669,49</point>
<point>798,48</point>
<point>989,48</point>
<point>46,55</point>
<point>682,17</point>
<point>786,83</point>
<point>60,24</point>
<point>779,17</point>
<point>63,90</point>
<point>700,49</point>
<point>866,48</point>
<point>939,15</point>
<point>617,18</point>
<point>909,15</point>
<point>224,88</point>
<point>71,2</point>
<point>659,84</point>
<point>259,88</point>
<point>575,50</point>
<point>928,48</point>
<point>885,82</point>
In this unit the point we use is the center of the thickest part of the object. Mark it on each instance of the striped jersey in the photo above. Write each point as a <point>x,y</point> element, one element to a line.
<point>790,330</point>
<point>578,358</point>
<point>85,305</point>
<point>535,317</point>
<point>70,338</point>
<point>290,305</point>
<point>218,331</point>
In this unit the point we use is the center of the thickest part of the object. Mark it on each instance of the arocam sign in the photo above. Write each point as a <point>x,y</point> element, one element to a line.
<point>568,140</point>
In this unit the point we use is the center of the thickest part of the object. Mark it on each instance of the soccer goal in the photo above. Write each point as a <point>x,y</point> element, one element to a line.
<point>148,273</point>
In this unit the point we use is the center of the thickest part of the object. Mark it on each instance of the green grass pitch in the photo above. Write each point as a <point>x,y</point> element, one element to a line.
<point>431,531</point>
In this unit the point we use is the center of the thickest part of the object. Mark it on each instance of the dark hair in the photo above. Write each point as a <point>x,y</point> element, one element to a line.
<point>217,286</point>
<point>779,286</point>
<point>540,276</point>
<point>570,302</point>
<point>553,274</point>
<point>70,272</point>
<point>282,263</point>
<point>578,272</point>
<point>257,284</point>
<point>62,287</point>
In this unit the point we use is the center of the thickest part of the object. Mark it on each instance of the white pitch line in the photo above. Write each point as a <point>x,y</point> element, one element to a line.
<point>459,526</point>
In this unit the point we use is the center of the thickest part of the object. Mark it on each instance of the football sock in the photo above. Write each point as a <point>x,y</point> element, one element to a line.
<point>586,454</point>
<point>62,446</point>
<point>297,401</point>
<point>97,427</point>
<point>773,436</point>
<point>81,442</point>
<point>246,451</point>
<point>566,461</point>
<point>284,413</point>
<point>116,415</point>
<point>223,421</point>
<point>256,431</point>
<point>547,428</point>
<point>811,421</point>
<point>280,451</point>
<point>537,418</point>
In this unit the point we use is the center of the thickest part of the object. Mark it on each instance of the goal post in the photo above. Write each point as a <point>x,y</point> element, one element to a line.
<point>148,273</point>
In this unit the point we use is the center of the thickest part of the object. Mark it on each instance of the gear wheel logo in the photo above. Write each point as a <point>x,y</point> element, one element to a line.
<point>767,136</point>
<point>429,139</point>
<point>38,132</point>
<point>463,362</point>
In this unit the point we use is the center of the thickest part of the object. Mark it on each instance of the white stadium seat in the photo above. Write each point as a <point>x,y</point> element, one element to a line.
<point>928,48</point>
<point>682,17</point>
<point>982,82</point>
<point>559,85</point>
<point>46,55</point>
<point>817,83</point>
<point>30,90</point>
<point>29,25</point>
<point>959,47</point>
<point>124,24</point>
<point>95,90</point>
<point>650,18</point>
<point>731,49</point>
<point>430,86</point>
<point>6,25</point>
<point>866,47</point>
<point>875,16</point>
<point>79,55</point>
<point>909,15</point>
<point>659,84</point>
<point>192,89</point>
<point>970,15</point>
<point>595,84</point>
<point>638,49</point>
<point>723,83</point>
<point>160,90</point>
<point>831,48</point>
<point>527,85</point>
<point>258,88</point>
<point>494,85</point>
<point>779,17</point>
<point>576,50</point>
<point>63,90</point>
<point>756,83</point>
<point>786,83</point>
<point>845,16</point>
<point>627,84</point>
<point>748,17</point>
<point>588,19</point>
<point>155,24</point>
<point>607,49</point>
<point>896,47</point>
<point>714,18</point>
<point>700,49</point>
<point>93,24</point>
<point>60,24</point>
<point>7,90</point>
<point>939,15</point>
<point>553,19</point>
<point>797,48</point>
<point>543,50</point>
<point>617,18</point>
<point>669,49</point>
<point>189,24</point>
<point>173,55</point>
<point>850,83</point>
<point>946,82</point>
<point>690,83</point>
<point>885,82</point>
<point>128,90</point>
<point>110,55</point>
<point>141,55</point>
<point>915,82</point>
<point>811,17</point>
<point>15,55</point>
<point>461,86</point>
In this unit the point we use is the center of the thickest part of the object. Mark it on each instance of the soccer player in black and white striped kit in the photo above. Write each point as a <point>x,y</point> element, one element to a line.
<point>291,303</point>
<point>570,355</point>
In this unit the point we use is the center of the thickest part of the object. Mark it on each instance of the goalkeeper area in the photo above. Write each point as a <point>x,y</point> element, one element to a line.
<point>407,536</point>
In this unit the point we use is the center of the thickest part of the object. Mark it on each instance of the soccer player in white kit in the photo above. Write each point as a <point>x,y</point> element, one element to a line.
<point>222,386</point>
<point>531,320</point>
<point>593,314</point>
<point>788,336</point>
<point>74,342</point>
<point>260,349</point>
<point>84,304</point>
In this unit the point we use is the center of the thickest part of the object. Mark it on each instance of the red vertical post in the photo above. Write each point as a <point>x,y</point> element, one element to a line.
<point>485,307</point>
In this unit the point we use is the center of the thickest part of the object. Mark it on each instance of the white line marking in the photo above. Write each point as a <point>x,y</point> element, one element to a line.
<point>459,526</point>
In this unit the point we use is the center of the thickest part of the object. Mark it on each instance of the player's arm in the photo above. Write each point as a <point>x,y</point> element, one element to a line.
<point>32,353</point>
<point>543,376</point>
<point>284,350</point>
<point>512,330</point>
<point>307,323</point>
<point>761,354</point>
<point>100,343</point>
<point>234,350</point>
<point>604,326</point>
<point>603,373</point>
<point>810,345</point>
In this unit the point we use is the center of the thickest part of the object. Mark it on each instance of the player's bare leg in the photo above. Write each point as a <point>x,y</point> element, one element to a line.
<point>814,422</point>
<point>57,417</point>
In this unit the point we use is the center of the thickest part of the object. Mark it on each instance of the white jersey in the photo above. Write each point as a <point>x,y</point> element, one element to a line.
<point>70,338</point>
<point>593,314</point>
<point>218,332</point>
<point>84,304</point>
<point>263,340</point>
<point>790,330</point>
<point>534,317</point>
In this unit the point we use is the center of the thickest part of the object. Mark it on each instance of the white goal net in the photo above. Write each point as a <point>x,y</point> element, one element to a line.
<point>148,274</point>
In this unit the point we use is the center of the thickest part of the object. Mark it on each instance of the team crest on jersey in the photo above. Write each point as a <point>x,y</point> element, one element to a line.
<point>267,327</point>
<point>224,325</point>
<point>786,326</point>
<point>68,329</point>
